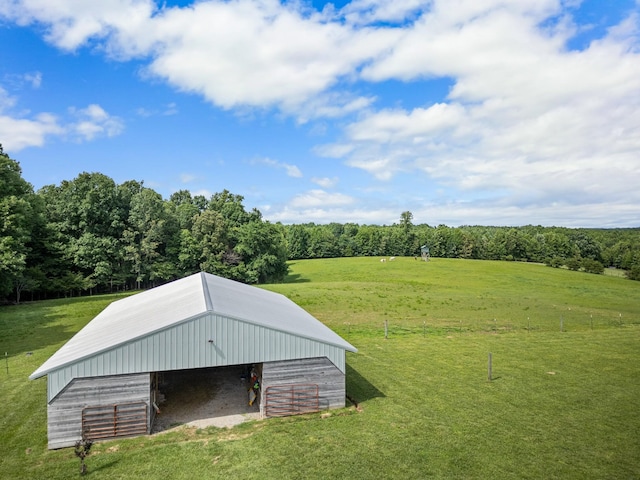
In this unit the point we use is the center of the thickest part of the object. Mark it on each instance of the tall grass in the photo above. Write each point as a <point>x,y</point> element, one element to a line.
<point>560,405</point>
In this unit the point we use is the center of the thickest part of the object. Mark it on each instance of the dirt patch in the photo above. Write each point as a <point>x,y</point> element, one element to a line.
<point>234,437</point>
<point>205,397</point>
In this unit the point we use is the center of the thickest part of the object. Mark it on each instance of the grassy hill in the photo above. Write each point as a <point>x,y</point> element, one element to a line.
<point>561,404</point>
<point>449,294</point>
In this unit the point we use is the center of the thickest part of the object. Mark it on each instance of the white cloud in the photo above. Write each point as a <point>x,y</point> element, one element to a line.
<point>255,53</point>
<point>18,81</point>
<point>34,79</point>
<point>497,213</point>
<point>325,182</point>
<point>203,192</point>
<point>331,106</point>
<point>389,126</point>
<point>72,23</point>
<point>94,121</point>
<point>259,53</point>
<point>144,112</point>
<point>320,198</point>
<point>292,170</point>
<point>6,100</point>
<point>187,177</point>
<point>335,150</point>
<point>457,213</point>
<point>19,133</point>
<point>170,109</point>
<point>293,215</point>
<point>526,117</point>
<point>370,11</point>
<point>166,110</point>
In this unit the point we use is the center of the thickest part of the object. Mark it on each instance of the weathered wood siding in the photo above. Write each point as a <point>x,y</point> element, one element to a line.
<point>320,371</point>
<point>64,413</point>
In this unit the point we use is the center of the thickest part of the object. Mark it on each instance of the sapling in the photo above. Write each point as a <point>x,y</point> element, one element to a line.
<point>82,449</point>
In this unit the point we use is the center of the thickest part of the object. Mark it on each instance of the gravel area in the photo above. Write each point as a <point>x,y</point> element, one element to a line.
<point>205,397</point>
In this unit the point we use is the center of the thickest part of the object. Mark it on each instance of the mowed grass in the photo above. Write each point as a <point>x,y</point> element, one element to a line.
<point>560,404</point>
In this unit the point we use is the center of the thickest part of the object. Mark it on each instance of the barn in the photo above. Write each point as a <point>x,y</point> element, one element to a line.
<point>104,380</point>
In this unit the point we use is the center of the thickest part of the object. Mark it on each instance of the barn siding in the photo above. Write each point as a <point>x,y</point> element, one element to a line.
<point>65,412</point>
<point>320,371</point>
<point>183,346</point>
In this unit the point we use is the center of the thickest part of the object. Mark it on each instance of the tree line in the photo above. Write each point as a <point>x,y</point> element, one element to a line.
<point>589,250</point>
<point>90,235</point>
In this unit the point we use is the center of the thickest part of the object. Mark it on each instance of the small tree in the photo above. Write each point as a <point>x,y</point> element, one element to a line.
<point>82,449</point>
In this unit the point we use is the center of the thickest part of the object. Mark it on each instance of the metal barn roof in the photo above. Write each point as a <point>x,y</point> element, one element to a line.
<point>163,307</point>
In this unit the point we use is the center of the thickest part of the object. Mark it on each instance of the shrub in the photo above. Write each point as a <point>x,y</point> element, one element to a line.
<point>634,273</point>
<point>574,264</point>
<point>555,262</point>
<point>592,266</point>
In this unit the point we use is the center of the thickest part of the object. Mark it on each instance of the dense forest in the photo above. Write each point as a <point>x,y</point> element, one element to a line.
<point>91,235</point>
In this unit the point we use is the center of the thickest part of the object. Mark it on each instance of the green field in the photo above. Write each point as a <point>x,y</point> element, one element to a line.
<point>564,401</point>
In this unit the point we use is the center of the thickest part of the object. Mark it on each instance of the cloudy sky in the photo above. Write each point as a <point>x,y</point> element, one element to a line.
<point>464,112</point>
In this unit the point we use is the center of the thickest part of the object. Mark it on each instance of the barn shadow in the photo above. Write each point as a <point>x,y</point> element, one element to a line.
<point>359,389</point>
<point>204,397</point>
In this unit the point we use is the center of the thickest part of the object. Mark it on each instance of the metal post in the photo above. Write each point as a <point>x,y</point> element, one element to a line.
<point>386,329</point>
<point>489,367</point>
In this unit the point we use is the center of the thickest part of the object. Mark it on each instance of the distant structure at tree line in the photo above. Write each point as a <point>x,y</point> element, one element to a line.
<point>424,253</point>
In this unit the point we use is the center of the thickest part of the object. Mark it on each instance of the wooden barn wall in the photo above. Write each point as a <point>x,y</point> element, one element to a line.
<point>320,371</point>
<point>64,414</point>
<point>187,345</point>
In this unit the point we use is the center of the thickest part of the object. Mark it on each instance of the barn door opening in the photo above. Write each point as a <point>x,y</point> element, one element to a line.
<point>203,397</point>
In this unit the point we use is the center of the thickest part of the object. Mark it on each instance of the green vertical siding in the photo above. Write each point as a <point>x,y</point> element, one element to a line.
<point>186,345</point>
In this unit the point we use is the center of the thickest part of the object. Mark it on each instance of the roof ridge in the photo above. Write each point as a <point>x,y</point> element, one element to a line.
<point>205,290</point>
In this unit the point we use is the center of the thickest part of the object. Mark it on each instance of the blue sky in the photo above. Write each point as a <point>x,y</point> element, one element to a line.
<point>464,112</point>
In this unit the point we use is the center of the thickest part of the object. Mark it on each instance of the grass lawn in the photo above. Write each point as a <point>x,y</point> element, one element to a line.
<point>562,404</point>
